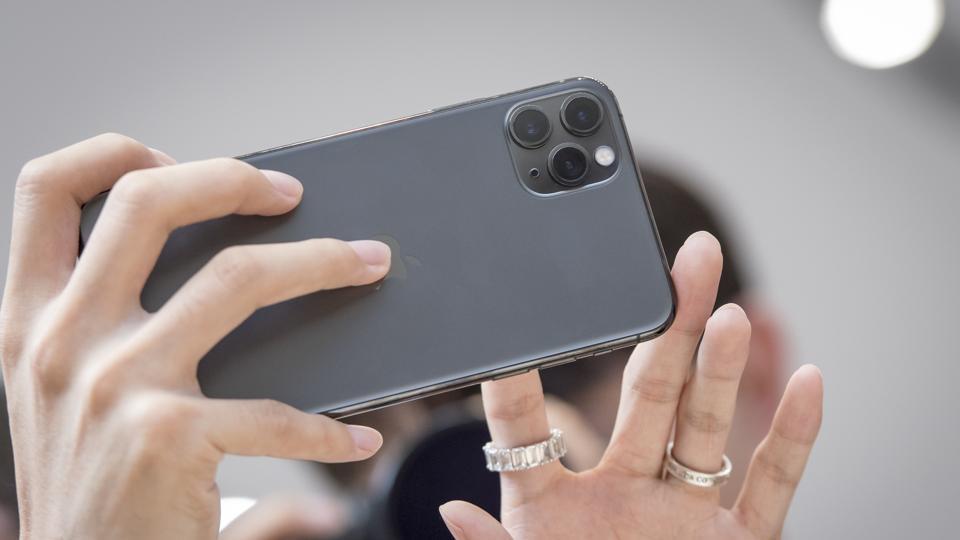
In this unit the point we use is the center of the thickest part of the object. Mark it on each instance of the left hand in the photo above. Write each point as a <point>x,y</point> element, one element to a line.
<point>624,496</point>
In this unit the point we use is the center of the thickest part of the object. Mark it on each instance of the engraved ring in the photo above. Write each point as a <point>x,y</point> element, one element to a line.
<point>522,458</point>
<point>693,477</point>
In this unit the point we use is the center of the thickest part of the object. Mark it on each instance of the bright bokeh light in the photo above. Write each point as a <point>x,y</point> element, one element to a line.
<point>232,507</point>
<point>881,34</point>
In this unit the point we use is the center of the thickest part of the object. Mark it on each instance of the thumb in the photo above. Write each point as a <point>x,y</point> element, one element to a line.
<point>469,522</point>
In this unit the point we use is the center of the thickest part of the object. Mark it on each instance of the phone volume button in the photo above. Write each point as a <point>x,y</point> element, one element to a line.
<point>560,362</point>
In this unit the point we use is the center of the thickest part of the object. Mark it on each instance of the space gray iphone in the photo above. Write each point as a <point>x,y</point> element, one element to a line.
<point>521,239</point>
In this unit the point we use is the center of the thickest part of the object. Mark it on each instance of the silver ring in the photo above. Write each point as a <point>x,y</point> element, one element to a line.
<point>522,458</point>
<point>695,478</point>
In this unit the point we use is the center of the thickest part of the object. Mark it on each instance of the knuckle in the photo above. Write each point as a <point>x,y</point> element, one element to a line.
<point>134,197</point>
<point>49,350</point>
<point>656,390</point>
<point>159,417</point>
<point>35,175</point>
<point>223,167</point>
<point>100,384</point>
<point>135,188</point>
<point>11,344</point>
<point>705,422</point>
<point>121,145</point>
<point>337,256</point>
<point>517,407</point>
<point>275,416</point>
<point>236,268</point>
<point>775,471</point>
<point>48,362</point>
<point>46,351</point>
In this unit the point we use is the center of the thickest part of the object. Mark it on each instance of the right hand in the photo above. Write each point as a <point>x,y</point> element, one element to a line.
<point>112,435</point>
<point>664,395</point>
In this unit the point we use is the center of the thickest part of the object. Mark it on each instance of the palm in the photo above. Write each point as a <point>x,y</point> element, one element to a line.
<point>624,496</point>
<point>607,504</point>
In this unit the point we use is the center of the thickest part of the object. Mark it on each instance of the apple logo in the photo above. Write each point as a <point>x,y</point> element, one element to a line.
<point>400,264</point>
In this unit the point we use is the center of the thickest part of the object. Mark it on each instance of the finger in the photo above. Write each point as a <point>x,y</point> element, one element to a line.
<point>291,516</point>
<point>517,416</point>
<point>242,279</point>
<point>655,375</point>
<point>710,397</point>
<point>270,428</point>
<point>46,212</point>
<point>778,462</point>
<point>468,522</point>
<point>145,206</point>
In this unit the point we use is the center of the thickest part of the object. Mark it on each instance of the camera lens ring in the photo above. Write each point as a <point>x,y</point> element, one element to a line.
<point>572,175</point>
<point>539,127</point>
<point>574,125</point>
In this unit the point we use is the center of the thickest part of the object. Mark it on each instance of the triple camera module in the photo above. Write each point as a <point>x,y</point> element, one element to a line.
<point>577,153</point>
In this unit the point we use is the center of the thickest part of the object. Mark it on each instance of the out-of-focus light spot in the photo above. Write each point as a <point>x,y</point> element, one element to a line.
<point>232,507</point>
<point>881,34</point>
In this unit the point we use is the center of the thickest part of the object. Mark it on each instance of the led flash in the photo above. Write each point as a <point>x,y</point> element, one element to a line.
<point>604,156</point>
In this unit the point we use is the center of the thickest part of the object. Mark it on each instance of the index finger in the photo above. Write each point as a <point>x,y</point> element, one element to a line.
<point>46,211</point>
<point>517,416</point>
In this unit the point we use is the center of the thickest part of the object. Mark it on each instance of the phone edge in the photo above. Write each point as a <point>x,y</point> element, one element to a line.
<point>501,373</point>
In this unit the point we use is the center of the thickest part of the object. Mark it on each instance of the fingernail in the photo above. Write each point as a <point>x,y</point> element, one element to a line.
<point>372,252</point>
<point>366,439</point>
<point>286,184</point>
<point>163,157</point>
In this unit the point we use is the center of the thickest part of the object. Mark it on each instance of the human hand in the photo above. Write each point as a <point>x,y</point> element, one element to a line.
<point>624,496</point>
<point>112,435</point>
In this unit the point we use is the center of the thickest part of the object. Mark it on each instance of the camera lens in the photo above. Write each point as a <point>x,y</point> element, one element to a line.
<point>581,114</point>
<point>568,164</point>
<point>529,127</point>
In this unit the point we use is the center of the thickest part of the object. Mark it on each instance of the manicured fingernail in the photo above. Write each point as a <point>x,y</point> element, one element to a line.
<point>286,184</point>
<point>372,252</point>
<point>366,439</point>
<point>163,157</point>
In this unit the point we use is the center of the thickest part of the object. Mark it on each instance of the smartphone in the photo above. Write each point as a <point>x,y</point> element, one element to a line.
<point>521,239</point>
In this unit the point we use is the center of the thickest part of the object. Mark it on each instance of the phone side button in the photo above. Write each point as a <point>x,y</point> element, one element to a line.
<point>561,362</point>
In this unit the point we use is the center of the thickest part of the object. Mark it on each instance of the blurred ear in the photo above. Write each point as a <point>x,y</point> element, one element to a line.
<point>763,377</point>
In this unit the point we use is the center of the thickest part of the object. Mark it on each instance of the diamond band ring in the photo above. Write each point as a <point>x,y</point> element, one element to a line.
<point>693,477</point>
<point>522,458</point>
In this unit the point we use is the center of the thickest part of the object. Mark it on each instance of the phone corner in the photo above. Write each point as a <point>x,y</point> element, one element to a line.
<point>665,321</point>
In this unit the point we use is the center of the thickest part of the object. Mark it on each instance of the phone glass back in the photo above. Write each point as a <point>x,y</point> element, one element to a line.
<point>489,277</point>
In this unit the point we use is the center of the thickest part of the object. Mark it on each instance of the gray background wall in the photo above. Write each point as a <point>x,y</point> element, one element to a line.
<point>843,182</point>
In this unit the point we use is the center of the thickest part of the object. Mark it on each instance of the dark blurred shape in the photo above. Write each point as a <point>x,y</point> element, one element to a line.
<point>8,484</point>
<point>680,212</point>
<point>446,465</point>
